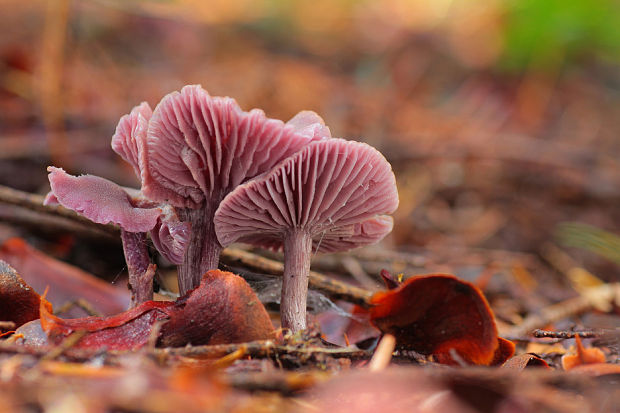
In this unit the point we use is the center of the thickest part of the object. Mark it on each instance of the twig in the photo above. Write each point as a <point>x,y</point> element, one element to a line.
<point>338,289</point>
<point>538,333</point>
<point>34,202</point>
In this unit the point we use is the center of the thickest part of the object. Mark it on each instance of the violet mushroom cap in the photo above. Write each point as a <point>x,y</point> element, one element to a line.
<point>199,148</point>
<point>330,196</point>
<point>100,200</point>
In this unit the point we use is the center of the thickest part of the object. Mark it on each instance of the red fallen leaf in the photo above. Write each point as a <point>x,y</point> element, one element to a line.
<point>526,360</point>
<point>583,356</point>
<point>66,282</point>
<point>222,309</point>
<point>504,351</point>
<point>441,315</point>
<point>19,303</point>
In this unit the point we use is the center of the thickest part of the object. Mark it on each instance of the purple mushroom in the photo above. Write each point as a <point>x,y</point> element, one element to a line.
<point>330,196</point>
<point>103,201</point>
<point>199,148</point>
<point>188,153</point>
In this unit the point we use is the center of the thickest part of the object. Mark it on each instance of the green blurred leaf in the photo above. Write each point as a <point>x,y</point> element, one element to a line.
<point>546,34</point>
<point>606,244</point>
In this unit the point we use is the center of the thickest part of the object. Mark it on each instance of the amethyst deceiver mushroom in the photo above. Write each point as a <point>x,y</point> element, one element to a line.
<point>188,153</point>
<point>199,148</point>
<point>330,196</point>
<point>103,201</point>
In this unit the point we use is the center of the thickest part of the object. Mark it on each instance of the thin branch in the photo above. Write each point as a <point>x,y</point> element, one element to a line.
<point>538,333</point>
<point>34,202</point>
<point>335,288</point>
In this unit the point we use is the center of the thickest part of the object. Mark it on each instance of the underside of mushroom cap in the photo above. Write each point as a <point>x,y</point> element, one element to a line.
<point>335,239</point>
<point>171,236</point>
<point>129,139</point>
<point>336,190</point>
<point>201,147</point>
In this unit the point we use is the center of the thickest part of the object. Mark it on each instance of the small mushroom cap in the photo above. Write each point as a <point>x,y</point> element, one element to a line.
<point>309,123</point>
<point>336,190</point>
<point>201,147</point>
<point>171,236</point>
<point>103,201</point>
<point>129,139</point>
<point>100,200</point>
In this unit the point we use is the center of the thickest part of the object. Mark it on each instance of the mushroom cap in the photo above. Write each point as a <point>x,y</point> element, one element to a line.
<point>170,235</point>
<point>99,200</point>
<point>336,190</point>
<point>200,147</point>
<point>103,201</point>
<point>309,123</point>
<point>129,139</point>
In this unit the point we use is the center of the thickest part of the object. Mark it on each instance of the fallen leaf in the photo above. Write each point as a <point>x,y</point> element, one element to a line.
<point>440,315</point>
<point>583,356</point>
<point>19,303</point>
<point>525,360</point>
<point>504,351</point>
<point>67,283</point>
<point>222,309</point>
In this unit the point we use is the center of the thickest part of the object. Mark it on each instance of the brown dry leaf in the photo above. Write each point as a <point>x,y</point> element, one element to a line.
<point>19,303</point>
<point>441,315</point>
<point>526,360</point>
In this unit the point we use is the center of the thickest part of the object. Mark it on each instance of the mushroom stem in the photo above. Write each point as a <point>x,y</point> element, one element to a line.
<point>138,266</point>
<point>297,254</point>
<point>203,250</point>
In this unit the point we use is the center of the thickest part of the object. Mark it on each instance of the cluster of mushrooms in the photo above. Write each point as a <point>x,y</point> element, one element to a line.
<point>212,174</point>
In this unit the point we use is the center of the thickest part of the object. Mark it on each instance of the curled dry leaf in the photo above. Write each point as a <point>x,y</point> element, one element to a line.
<point>222,309</point>
<point>526,360</point>
<point>66,282</point>
<point>441,315</point>
<point>19,303</point>
<point>583,356</point>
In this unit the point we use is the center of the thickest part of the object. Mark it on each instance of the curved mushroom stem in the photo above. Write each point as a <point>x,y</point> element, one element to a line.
<point>203,250</point>
<point>139,266</point>
<point>297,254</point>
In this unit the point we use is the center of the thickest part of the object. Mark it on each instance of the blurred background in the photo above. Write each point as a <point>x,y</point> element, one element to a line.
<point>501,117</point>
